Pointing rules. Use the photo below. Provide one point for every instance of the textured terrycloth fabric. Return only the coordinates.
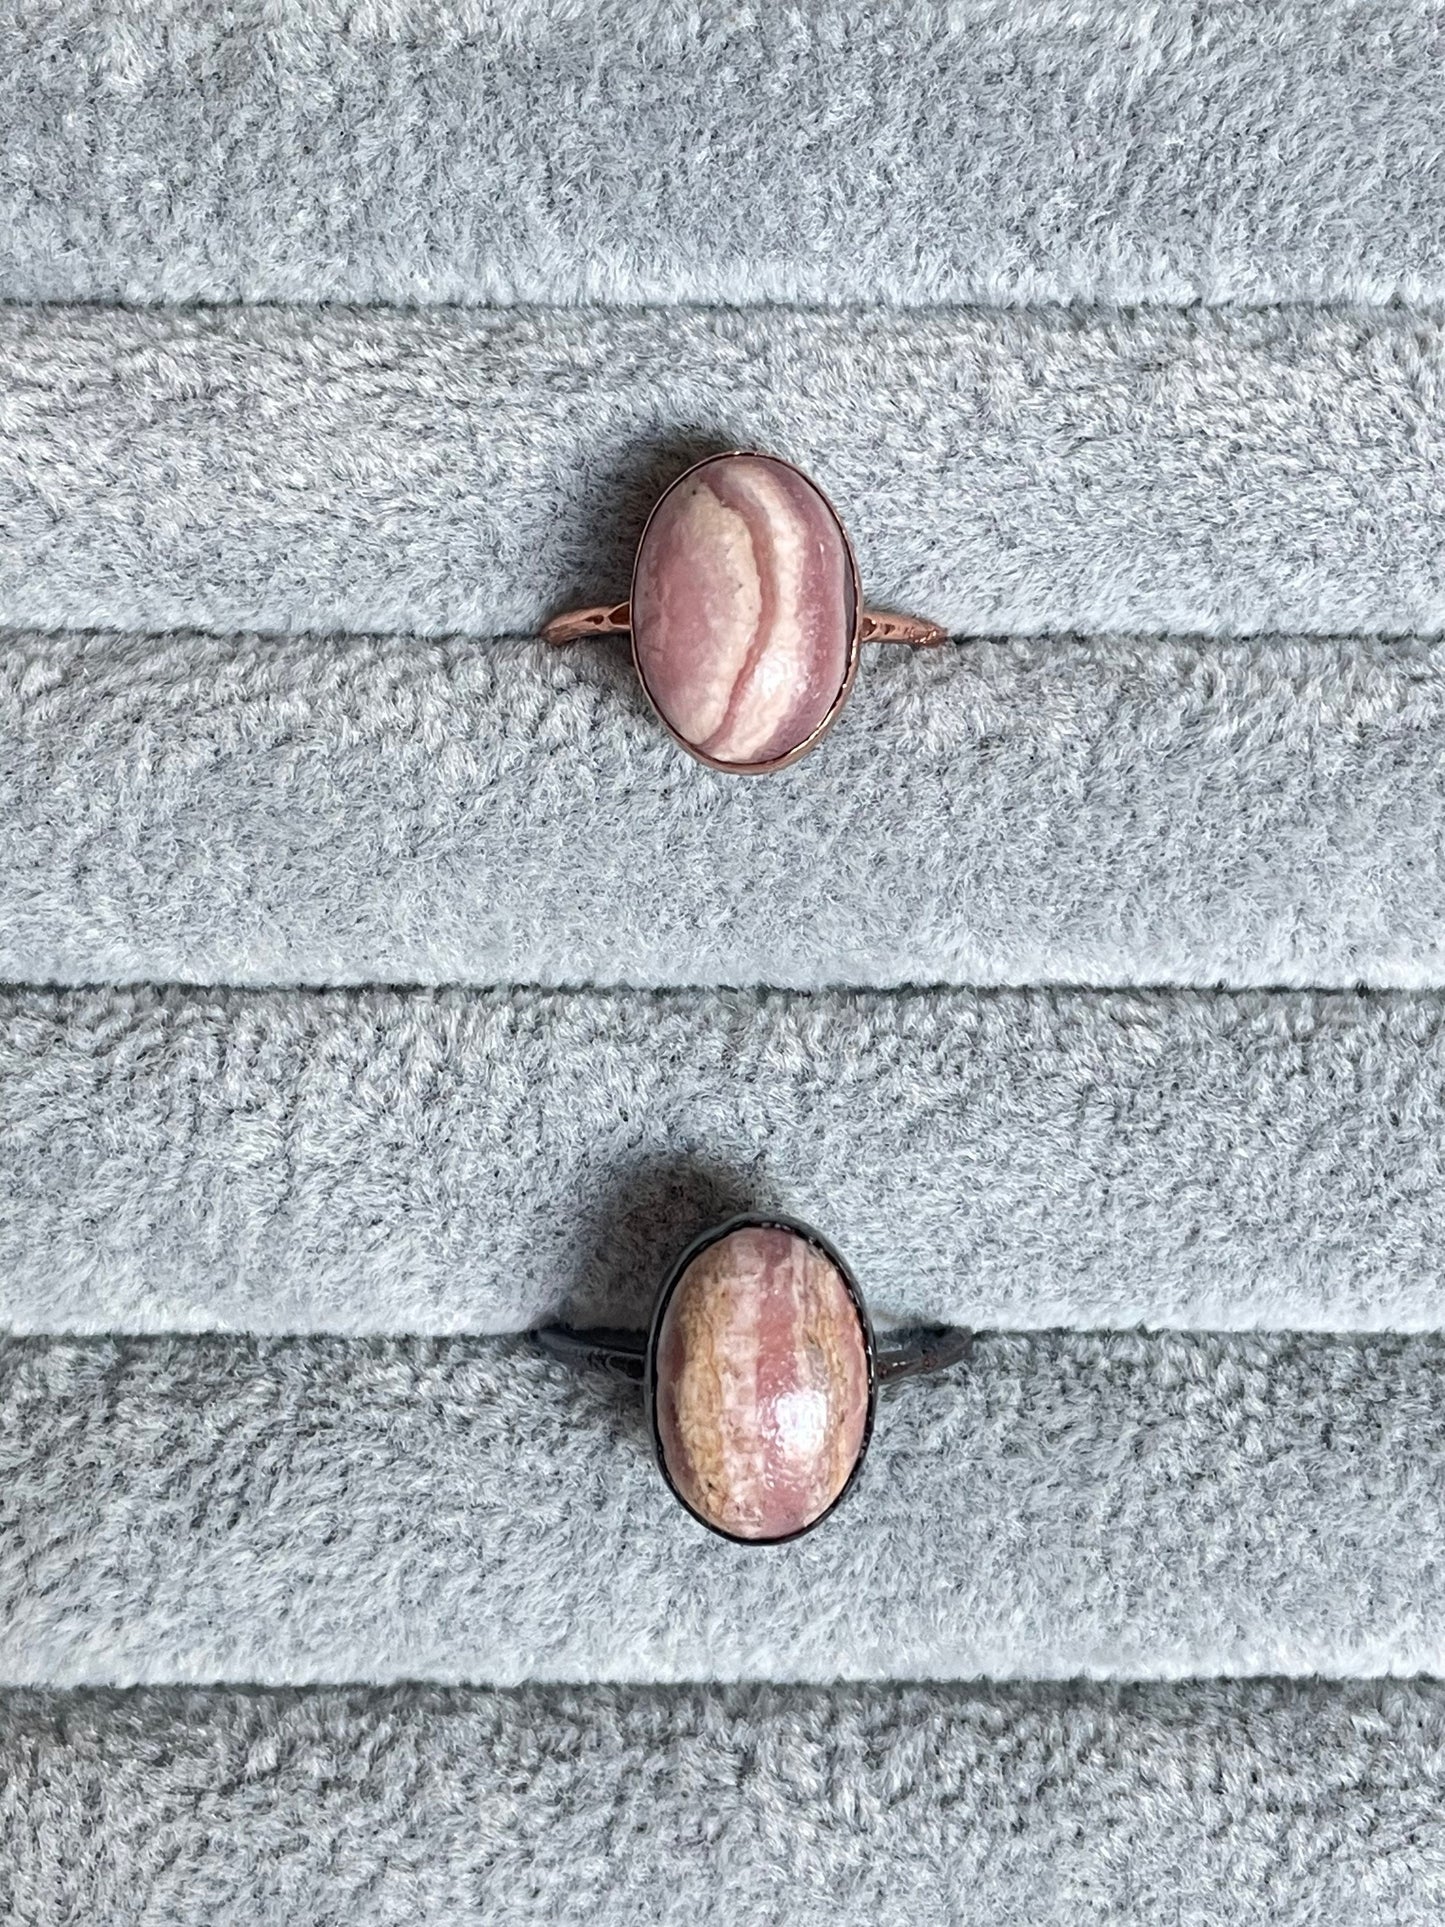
(294, 1511)
(1264, 1804)
(271, 722)
(431, 1162)
(496, 150)
(1031, 472)
(304, 810)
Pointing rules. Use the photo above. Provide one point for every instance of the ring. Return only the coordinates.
(761, 1371)
(746, 614)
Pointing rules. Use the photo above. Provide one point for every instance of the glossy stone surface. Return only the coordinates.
(762, 1383)
(743, 609)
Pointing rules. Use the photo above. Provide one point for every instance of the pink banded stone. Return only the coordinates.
(743, 609)
(761, 1383)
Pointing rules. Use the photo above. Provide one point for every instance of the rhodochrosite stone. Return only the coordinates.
(743, 609)
(761, 1383)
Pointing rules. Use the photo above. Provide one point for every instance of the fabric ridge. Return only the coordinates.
(380, 980)
(316, 1511)
(404, 1161)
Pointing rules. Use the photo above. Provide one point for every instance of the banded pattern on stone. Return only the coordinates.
(761, 1383)
(743, 609)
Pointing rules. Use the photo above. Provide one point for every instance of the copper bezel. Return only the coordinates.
(811, 742)
(773, 1221)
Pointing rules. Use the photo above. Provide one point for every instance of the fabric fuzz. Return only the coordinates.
(1117, 812)
(328, 1510)
(425, 151)
(1005, 472)
(481, 1161)
(1264, 1803)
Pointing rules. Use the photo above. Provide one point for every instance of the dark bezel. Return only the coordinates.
(855, 645)
(779, 1221)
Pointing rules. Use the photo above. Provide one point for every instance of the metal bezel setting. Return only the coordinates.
(777, 1221)
(855, 640)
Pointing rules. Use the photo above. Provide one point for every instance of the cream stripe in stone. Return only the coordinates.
(733, 585)
(771, 683)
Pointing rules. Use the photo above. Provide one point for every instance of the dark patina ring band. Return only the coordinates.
(761, 1370)
(746, 613)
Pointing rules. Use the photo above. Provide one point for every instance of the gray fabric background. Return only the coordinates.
(337, 811)
(385, 1161)
(1265, 1804)
(1029, 472)
(546, 150)
(329, 1510)
(1115, 330)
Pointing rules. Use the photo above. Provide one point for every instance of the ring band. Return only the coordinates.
(761, 1371)
(746, 613)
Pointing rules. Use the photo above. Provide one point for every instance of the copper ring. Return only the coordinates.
(761, 1370)
(776, 615)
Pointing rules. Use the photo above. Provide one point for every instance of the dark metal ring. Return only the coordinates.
(761, 1370)
(746, 613)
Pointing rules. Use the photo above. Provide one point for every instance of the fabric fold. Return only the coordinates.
(313, 1511)
(1005, 473)
(862, 1808)
(417, 152)
(429, 1162)
(1114, 812)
